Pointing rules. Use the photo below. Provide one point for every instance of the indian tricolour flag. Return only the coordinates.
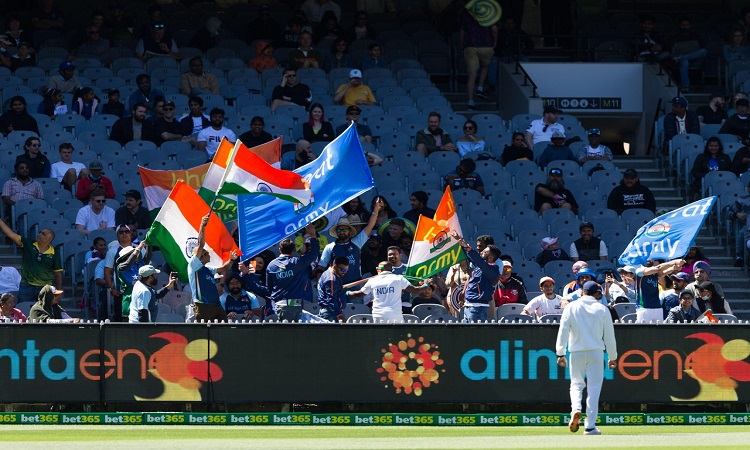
(248, 173)
(175, 230)
(157, 184)
(434, 248)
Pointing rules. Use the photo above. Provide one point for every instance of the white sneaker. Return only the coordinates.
(594, 431)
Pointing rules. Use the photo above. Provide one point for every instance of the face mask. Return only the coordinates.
(705, 298)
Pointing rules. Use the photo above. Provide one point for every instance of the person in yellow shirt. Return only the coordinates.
(354, 93)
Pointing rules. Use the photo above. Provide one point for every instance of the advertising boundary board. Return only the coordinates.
(365, 419)
(363, 363)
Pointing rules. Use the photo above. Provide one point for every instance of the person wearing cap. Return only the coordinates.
(115, 284)
(197, 82)
(545, 303)
(331, 297)
(631, 194)
(237, 302)
(96, 215)
(688, 50)
(712, 159)
(594, 151)
(65, 80)
(614, 288)
(588, 247)
(418, 202)
(509, 289)
(290, 91)
(24, 57)
(558, 150)
(738, 123)
(94, 181)
(156, 43)
(476, 40)
(586, 332)
(648, 304)
(709, 299)
(738, 212)
(305, 55)
(679, 121)
(134, 127)
(348, 243)
(144, 294)
(671, 297)
(47, 308)
(573, 285)
(20, 186)
(433, 138)
(701, 274)
(17, 118)
(465, 176)
(713, 113)
(551, 251)
(582, 277)
(354, 92)
(540, 130)
(684, 311)
(133, 213)
(553, 194)
(67, 171)
(168, 128)
(517, 150)
(478, 291)
(209, 138)
(353, 113)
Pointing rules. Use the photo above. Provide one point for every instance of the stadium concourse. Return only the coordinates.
(419, 68)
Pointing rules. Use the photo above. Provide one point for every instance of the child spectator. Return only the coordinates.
(114, 106)
(85, 102)
(52, 105)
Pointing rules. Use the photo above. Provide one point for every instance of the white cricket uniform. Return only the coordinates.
(541, 306)
(386, 296)
(586, 329)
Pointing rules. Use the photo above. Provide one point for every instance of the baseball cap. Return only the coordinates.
(507, 264)
(742, 102)
(55, 290)
(546, 242)
(96, 165)
(65, 65)
(687, 292)
(682, 101)
(558, 135)
(147, 271)
(594, 131)
(353, 109)
(704, 285)
(628, 269)
(133, 194)
(591, 287)
(631, 173)
(550, 109)
(682, 276)
(586, 225)
(355, 73)
(169, 103)
(545, 279)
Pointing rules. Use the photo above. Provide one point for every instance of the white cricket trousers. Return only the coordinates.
(586, 370)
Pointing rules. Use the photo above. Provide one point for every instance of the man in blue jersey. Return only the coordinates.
(479, 288)
(288, 277)
(331, 298)
(648, 305)
(237, 302)
(206, 302)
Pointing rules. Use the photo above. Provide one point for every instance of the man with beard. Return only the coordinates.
(299, 157)
(237, 302)
(631, 194)
(209, 138)
(702, 273)
(134, 127)
(714, 112)
(433, 138)
(588, 247)
(144, 94)
(542, 129)
(256, 136)
(144, 294)
(739, 123)
(553, 194)
(393, 255)
(19, 187)
(17, 119)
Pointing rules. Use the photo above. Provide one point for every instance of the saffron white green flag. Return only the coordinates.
(434, 249)
(157, 184)
(175, 230)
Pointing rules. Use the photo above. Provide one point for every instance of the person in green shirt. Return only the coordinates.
(40, 263)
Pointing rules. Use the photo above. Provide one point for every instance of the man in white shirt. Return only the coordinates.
(386, 290)
(586, 330)
(542, 129)
(96, 215)
(67, 171)
(594, 151)
(209, 138)
(546, 303)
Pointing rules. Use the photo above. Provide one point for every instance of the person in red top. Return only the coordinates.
(94, 181)
(509, 289)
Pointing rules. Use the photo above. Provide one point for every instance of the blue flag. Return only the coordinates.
(338, 175)
(668, 236)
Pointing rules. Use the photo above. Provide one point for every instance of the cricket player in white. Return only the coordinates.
(386, 289)
(586, 329)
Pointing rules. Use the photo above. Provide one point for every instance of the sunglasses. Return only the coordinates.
(159, 25)
(342, 230)
(555, 172)
(168, 109)
(343, 269)
(123, 232)
(468, 127)
(100, 201)
(35, 145)
(353, 114)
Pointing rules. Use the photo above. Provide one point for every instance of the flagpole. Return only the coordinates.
(230, 163)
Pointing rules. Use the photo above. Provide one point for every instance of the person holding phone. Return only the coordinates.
(144, 294)
(290, 91)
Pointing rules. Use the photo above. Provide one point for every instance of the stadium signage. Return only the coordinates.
(579, 103)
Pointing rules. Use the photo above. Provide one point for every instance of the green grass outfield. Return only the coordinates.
(682, 437)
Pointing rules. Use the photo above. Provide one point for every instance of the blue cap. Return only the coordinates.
(594, 131)
(591, 287)
(65, 65)
(682, 101)
(586, 271)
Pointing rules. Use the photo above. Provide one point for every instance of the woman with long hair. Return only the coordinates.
(317, 129)
(339, 55)
(516, 150)
(712, 159)
(710, 300)
(52, 104)
(355, 206)
(470, 142)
